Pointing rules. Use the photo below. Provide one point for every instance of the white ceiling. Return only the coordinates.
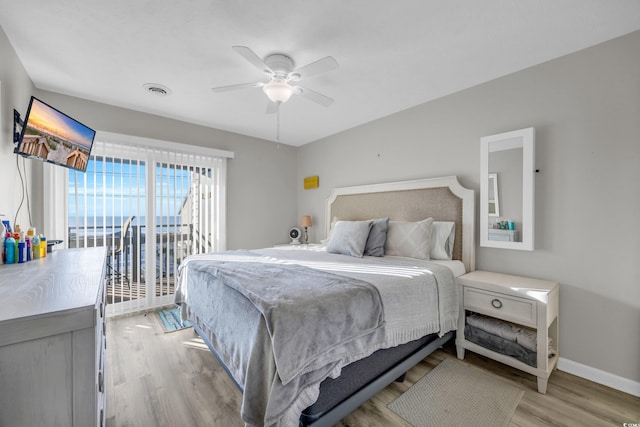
(392, 55)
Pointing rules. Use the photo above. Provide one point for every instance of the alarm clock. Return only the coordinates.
(294, 235)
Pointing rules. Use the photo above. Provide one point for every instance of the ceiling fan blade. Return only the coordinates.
(272, 107)
(251, 56)
(320, 66)
(236, 87)
(314, 96)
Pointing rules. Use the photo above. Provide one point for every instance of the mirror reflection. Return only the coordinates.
(507, 190)
(506, 223)
(494, 204)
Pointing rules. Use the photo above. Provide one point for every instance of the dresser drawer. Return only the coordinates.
(501, 306)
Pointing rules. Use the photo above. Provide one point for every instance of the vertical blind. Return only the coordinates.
(152, 207)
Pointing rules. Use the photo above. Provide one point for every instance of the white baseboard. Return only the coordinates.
(601, 377)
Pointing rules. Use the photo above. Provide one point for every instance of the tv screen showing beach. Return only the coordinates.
(55, 137)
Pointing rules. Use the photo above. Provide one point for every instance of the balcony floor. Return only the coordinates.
(120, 292)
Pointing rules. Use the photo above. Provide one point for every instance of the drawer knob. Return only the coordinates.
(496, 303)
(100, 382)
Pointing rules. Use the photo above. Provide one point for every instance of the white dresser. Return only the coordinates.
(52, 340)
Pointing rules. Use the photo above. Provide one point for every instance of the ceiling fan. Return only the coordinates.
(282, 77)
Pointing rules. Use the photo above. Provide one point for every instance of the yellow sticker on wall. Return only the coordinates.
(311, 182)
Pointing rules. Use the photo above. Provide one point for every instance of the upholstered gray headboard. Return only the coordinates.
(443, 199)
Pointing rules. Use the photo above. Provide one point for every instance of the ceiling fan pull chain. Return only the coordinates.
(278, 121)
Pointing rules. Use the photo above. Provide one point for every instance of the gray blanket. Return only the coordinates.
(500, 345)
(310, 314)
(418, 298)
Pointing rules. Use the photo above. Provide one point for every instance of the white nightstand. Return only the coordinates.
(521, 300)
(503, 235)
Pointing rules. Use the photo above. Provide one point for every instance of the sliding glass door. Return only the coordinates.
(107, 207)
(186, 201)
(151, 208)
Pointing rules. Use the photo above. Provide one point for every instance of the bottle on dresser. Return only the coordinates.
(9, 249)
(43, 246)
(35, 246)
(30, 233)
(3, 234)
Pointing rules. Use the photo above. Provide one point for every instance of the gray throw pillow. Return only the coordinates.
(349, 238)
(377, 237)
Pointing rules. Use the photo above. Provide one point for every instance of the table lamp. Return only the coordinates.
(306, 223)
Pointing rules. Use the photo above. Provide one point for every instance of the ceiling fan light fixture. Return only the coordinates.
(278, 90)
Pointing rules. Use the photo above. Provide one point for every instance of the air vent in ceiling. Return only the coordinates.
(157, 89)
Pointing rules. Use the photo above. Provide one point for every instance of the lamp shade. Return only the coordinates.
(278, 90)
(306, 221)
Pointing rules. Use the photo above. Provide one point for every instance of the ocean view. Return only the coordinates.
(117, 221)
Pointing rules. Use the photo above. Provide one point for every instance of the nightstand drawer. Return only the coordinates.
(506, 307)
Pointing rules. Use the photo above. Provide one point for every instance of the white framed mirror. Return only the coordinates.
(507, 207)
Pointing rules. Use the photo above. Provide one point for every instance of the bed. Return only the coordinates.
(335, 327)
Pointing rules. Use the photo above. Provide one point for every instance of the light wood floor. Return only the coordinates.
(158, 379)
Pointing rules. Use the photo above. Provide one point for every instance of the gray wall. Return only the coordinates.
(261, 179)
(586, 109)
(16, 88)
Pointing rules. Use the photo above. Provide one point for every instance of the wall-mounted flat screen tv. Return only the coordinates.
(52, 136)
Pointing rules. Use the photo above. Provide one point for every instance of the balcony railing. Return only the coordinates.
(128, 277)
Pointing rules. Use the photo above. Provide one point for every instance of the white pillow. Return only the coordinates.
(409, 239)
(443, 234)
(333, 224)
(349, 238)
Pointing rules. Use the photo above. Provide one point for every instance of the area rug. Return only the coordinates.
(171, 321)
(457, 394)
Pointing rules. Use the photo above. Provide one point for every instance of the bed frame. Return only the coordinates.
(444, 199)
(393, 373)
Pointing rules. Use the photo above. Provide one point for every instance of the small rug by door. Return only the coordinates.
(457, 394)
(171, 321)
